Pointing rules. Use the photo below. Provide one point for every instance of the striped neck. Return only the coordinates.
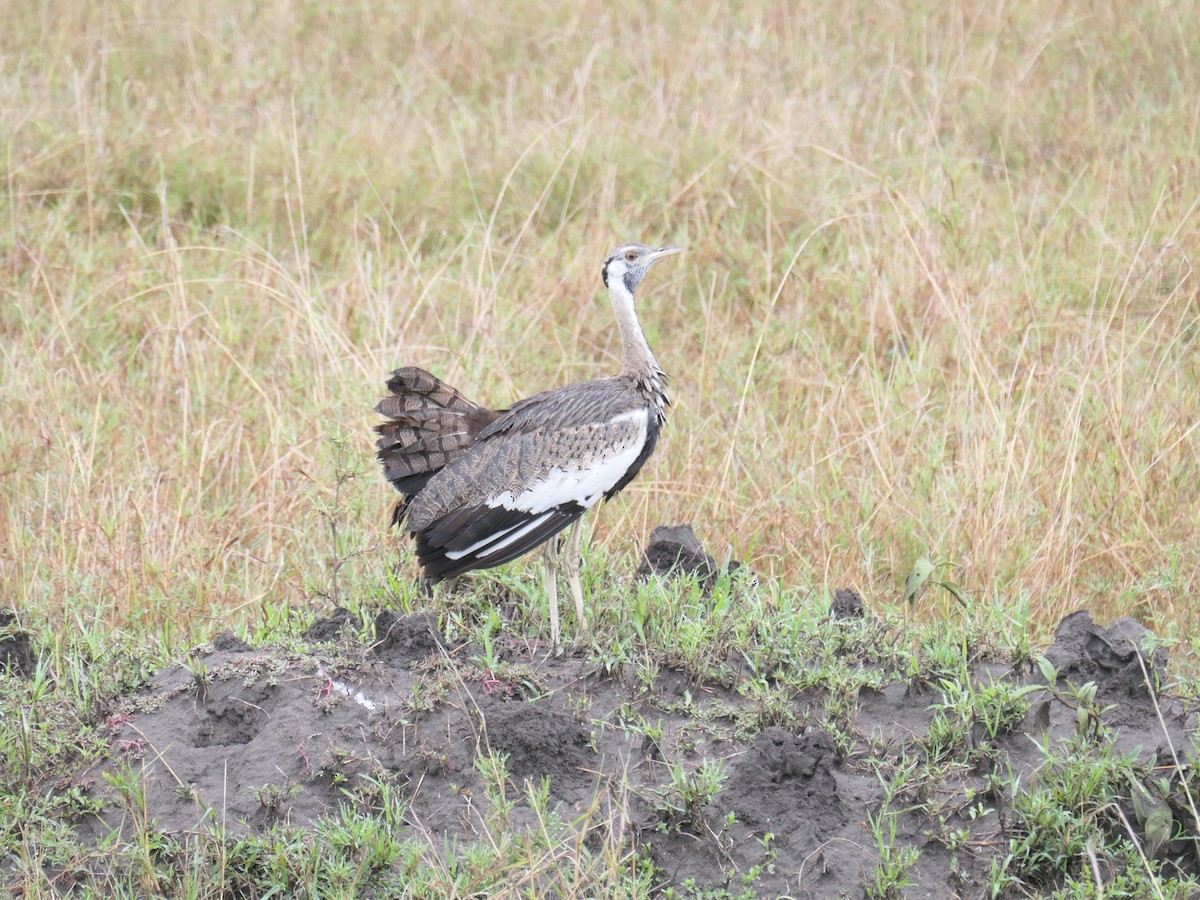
(637, 360)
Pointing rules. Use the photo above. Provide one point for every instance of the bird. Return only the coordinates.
(480, 487)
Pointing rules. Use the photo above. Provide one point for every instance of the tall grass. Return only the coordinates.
(938, 298)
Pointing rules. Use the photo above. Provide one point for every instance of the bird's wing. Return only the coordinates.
(582, 404)
(511, 492)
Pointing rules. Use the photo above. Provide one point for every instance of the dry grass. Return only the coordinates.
(938, 298)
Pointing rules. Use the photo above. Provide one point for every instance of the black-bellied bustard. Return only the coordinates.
(481, 487)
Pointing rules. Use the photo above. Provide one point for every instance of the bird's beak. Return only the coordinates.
(665, 251)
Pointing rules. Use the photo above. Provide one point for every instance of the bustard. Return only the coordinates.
(481, 487)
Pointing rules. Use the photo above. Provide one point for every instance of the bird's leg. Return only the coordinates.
(551, 560)
(572, 561)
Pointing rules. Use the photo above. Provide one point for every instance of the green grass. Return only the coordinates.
(1078, 804)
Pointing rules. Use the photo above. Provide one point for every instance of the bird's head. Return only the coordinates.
(629, 263)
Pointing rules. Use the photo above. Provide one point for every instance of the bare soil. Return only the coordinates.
(244, 737)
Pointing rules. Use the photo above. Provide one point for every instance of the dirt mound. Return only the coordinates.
(405, 637)
(1117, 658)
(784, 783)
(540, 740)
(245, 738)
(16, 647)
(331, 627)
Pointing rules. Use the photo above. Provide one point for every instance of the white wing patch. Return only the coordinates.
(459, 554)
(501, 538)
(582, 484)
(516, 535)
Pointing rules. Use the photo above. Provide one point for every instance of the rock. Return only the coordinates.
(847, 604)
(675, 550)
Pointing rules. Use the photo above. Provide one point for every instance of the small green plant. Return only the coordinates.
(380, 793)
(948, 733)
(999, 706)
(494, 769)
(764, 867)
(579, 705)
(768, 705)
(1083, 698)
(919, 579)
(330, 503)
(273, 797)
(201, 676)
(126, 782)
(892, 872)
(360, 847)
(77, 801)
(682, 802)
(490, 629)
(1071, 811)
(973, 713)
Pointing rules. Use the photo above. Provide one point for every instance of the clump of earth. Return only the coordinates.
(247, 737)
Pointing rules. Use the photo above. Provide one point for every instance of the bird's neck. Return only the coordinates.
(637, 360)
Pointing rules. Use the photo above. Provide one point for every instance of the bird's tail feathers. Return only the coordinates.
(414, 390)
(429, 424)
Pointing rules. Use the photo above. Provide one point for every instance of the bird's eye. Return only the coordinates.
(631, 255)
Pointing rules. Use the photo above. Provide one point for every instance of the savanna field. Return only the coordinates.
(937, 303)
